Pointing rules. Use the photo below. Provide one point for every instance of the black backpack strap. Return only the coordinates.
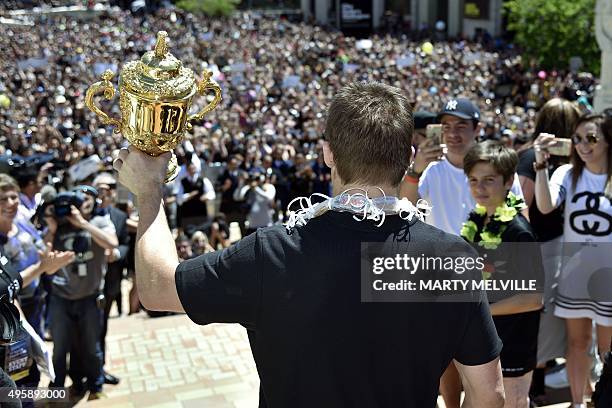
(10, 280)
(10, 284)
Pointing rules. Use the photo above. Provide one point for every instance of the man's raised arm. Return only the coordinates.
(426, 153)
(156, 257)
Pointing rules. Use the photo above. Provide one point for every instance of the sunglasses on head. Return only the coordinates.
(591, 138)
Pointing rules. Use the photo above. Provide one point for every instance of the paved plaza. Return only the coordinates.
(171, 362)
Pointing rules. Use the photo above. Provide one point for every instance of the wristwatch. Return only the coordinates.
(540, 166)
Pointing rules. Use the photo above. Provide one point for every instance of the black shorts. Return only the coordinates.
(519, 333)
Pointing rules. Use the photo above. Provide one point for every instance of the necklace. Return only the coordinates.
(356, 201)
(489, 235)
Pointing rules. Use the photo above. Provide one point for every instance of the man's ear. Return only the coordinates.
(328, 156)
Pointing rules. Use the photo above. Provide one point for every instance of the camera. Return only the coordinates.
(257, 178)
(63, 202)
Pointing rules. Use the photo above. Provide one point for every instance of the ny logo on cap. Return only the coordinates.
(451, 105)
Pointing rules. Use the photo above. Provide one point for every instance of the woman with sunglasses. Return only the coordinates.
(585, 187)
(559, 117)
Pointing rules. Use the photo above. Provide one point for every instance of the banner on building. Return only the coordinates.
(356, 17)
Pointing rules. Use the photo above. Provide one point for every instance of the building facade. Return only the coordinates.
(460, 17)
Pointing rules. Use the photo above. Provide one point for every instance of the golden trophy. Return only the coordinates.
(155, 96)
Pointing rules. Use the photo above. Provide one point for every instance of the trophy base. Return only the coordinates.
(173, 169)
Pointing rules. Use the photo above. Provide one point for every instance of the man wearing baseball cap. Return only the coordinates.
(436, 175)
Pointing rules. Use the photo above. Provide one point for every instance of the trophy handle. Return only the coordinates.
(105, 86)
(204, 86)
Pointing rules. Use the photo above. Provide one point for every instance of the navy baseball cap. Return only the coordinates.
(462, 108)
(85, 189)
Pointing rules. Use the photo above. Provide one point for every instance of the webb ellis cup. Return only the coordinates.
(155, 95)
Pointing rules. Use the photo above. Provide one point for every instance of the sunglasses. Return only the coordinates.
(590, 138)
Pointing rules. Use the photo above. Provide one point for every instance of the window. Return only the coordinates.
(401, 7)
(477, 9)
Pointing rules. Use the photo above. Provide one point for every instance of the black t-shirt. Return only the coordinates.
(314, 342)
(519, 230)
(193, 207)
(518, 257)
(546, 226)
(227, 197)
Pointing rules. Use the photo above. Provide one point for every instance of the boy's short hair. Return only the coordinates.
(369, 130)
(503, 159)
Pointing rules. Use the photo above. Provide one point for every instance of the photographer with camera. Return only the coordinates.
(258, 194)
(74, 307)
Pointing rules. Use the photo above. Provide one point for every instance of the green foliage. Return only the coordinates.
(214, 8)
(552, 31)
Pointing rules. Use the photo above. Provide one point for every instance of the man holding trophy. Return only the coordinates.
(296, 288)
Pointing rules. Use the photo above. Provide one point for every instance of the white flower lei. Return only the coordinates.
(356, 201)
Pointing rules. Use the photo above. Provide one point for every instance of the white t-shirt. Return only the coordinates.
(588, 212)
(446, 189)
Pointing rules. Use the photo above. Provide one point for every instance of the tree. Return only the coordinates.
(213, 8)
(551, 32)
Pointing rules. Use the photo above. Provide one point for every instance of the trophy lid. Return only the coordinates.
(158, 74)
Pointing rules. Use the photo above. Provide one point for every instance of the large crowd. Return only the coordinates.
(277, 80)
(257, 151)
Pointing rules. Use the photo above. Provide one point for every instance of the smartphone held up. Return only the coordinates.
(434, 134)
(561, 147)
